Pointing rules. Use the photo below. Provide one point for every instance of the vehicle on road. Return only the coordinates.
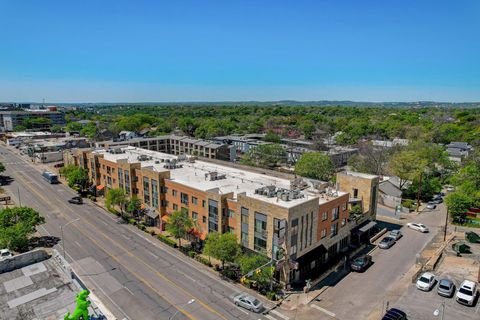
(397, 234)
(431, 205)
(4, 254)
(52, 178)
(437, 200)
(446, 288)
(386, 242)
(58, 165)
(395, 314)
(418, 227)
(248, 302)
(426, 281)
(76, 200)
(361, 263)
(467, 293)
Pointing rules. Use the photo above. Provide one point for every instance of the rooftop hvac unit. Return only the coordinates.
(284, 197)
(157, 162)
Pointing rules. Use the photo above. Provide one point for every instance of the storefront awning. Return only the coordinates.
(367, 227)
(151, 213)
(165, 218)
(100, 187)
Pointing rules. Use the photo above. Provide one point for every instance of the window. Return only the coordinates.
(146, 191)
(324, 233)
(230, 213)
(127, 182)
(244, 237)
(344, 221)
(259, 244)
(184, 198)
(120, 178)
(293, 250)
(204, 203)
(164, 203)
(230, 229)
(344, 206)
(333, 230)
(204, 219)
(355, 192)
(212, 216)
(163, 189)
(294, 226)
(154, 193)
(194, 200)
(324, 216)
(194, 216)
(244, 226)
(175, 207)
(174, 192)
(335, 213)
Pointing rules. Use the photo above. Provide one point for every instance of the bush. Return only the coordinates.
(408, 203)
(167, 240)
(141, 226)
(271, 295)
(230, 274)
(192, 254)
(132, 221)
(203, 260)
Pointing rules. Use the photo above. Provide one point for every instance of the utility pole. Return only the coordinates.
(19, 199)
(446, 223)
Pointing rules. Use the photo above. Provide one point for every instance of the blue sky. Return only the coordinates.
(93, 51)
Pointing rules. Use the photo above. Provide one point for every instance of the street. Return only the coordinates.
(135, 276)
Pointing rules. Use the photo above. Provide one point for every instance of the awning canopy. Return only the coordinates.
(165, 218)
(100, 187)
(151, 213)
(367, 227)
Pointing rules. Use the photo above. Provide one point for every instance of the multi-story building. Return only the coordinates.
(306, 220)
(31, 119)
(175, 145)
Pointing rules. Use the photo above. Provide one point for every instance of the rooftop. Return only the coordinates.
(359, 175)
(213, 177)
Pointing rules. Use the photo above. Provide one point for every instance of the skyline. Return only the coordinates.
(116, 51)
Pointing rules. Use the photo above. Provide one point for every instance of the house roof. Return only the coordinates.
(390, 189)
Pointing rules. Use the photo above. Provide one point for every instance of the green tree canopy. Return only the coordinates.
(250, 262)
(223, 247)
(116, 197)
(16, 225)
(271, 136)
(76, 176)
(315, 165)
(458, 204)
(179, 224)
(133, 206)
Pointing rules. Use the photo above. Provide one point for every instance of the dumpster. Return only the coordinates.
(460, 247)
(472, 237)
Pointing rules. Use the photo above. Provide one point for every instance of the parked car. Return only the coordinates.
(386, 242)
(361, 263)
(395, 314)
(5, 253)
(248, 302)
(446, 288)
(467, 293)
(76, 200)
(397, 234)
(431, 205)
(417, 226)
(426, 281)
(58, 165)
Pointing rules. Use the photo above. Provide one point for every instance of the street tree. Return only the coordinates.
(250, 262)
(458, 204)
(77, 177)
(223, 247)
(116, 197)
(179, 224)
(16, 226)
(315, 165)
(133, 206)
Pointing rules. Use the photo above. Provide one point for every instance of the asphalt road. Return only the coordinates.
(134, 275)
(355, 296)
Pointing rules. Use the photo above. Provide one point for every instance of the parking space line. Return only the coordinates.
(270, 317)
(331, 314)
(278, 314)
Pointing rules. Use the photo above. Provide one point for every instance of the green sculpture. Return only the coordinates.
(81, 310)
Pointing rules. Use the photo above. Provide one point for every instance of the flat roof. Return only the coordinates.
(359, 174)
(196, 175)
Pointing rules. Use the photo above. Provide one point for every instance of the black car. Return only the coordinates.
(395, 314)
(76, 200)
(361, 263)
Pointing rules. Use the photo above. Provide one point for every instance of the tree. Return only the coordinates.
(315, 165)
(356, 210)
(76, 177)
(16, 225)
(74, 127)
(265, 156)
(223, 247)
(458, 204)
(271, 136)
(90, 130)
(56, 128)
(250, 262)
(406, 165)
(116, 197)
(2, 167)
(307, 128)
(133, 206)
(19, 128)
(370, 159)
(179, 224)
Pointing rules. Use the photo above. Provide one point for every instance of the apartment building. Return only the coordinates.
(175, 145)
(301, 223)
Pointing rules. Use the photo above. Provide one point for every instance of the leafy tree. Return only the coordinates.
(133, 206)
(308, 129)
(76, 177)
(90, 130)
(223, 247)
(19, 128)
(116, 197)
(271, 136)
(250, 262)
(458, 204)
(355, 210)
(407, 165)
(179, 224)
(56, 128)
(315, 165)
(265, 156)
(16, 225)
(370, 159)
(73, 127)
(430, 186)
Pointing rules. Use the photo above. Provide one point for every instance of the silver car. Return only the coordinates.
(446, 288)
(248, 302)
(397, 234)
(386, 242)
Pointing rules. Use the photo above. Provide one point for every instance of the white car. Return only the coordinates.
(467, 293)
(417, 226)
(426, 281)
(5, 253)
(396, 234)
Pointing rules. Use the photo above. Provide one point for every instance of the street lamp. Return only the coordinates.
(178, 310)
(436, 313)
(63, 239)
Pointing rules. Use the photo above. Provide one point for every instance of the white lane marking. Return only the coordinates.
(270, 317)
(278, 314)
(331, 314)
(130, 291)
(152, 254)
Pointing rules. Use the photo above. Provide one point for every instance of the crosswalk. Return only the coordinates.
(276, 315)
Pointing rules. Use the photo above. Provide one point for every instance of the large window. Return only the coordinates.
(333, 230)
(194, 200)
(260, 228)
(154, 193)
(146, 191)
(127, 182)
(212, 216)
(120, 178)
(184, 198)
(324, 216)
(260, 244)
(335, 213)
(244, 225)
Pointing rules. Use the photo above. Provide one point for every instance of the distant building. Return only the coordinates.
(31, 119)
(390, 143)
(458, 151)
(390, 194)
